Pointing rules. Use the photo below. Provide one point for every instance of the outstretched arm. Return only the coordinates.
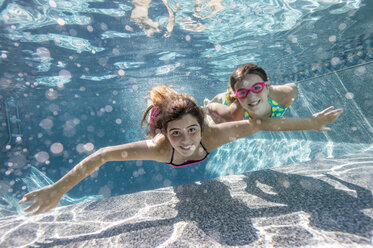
(315, 122)
(48, 197)
(221, 113)
(223, 133)
(283, 94)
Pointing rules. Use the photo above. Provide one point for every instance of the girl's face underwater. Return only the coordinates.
(255, 103)
(184, 135)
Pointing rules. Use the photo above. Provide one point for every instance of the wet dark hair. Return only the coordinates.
(168, 105)
(239, 74)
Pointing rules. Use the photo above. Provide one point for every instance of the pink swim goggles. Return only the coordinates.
(256, 88)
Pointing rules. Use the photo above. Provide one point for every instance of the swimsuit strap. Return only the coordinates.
(172, 156)
(204, 148)
(173, 152)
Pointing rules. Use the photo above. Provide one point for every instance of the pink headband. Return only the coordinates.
(153, 114)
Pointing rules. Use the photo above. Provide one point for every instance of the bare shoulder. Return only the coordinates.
(209, 136)
(216, 135)
(161, 148)
(283, 94)
(157, 149)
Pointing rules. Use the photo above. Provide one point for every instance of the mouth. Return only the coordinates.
(188, 147)
(254, 104)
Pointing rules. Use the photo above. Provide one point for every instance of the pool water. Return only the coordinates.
(74, 75)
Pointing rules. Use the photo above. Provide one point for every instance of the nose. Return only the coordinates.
(185, 138)
(250, 94)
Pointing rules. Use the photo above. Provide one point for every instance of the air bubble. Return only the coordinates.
(41, 156)
(128, 28)
(88, 147)
(118, 121)
(332, 38)
(56, 148)
(286, 184)
(193, 147)
(141, 171)
(103, 61)
(105, 191)
(335, 61)
(80, 148)
(61, 21)
(167, 183)
(121, 73)
(361, 70)
(349, 95)
(342, 26)
(73, 32)
(116, 51)
(6, 17)
(65, 74)
(46, 124)
(187, 38)
(218, 47)
(108, 108)
(69, 130)
(52, 3)
(53, 108)
(104, 26)
(90, 28)
(18, 139)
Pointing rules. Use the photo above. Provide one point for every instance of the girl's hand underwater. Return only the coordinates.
(325, 117)
(44, 199)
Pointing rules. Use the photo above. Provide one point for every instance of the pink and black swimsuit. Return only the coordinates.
(189, 162)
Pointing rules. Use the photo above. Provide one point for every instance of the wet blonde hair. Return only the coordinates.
(168, 105)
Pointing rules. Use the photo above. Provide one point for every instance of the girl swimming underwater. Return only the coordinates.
(251, 96)
(179, 136)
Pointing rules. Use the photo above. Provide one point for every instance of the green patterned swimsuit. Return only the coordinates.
(277, 109)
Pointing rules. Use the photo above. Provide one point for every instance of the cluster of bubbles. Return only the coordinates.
(85, 148)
